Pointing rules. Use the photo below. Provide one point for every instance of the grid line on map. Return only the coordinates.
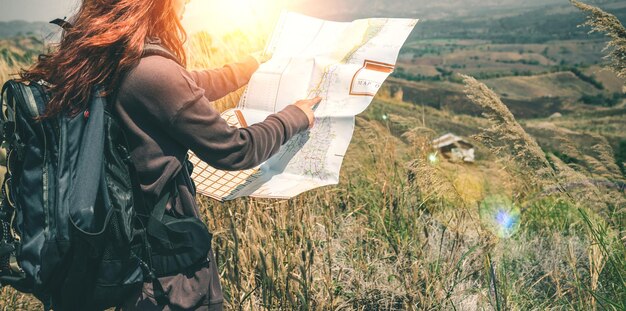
(215, 183)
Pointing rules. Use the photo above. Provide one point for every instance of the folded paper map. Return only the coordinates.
(345, 64)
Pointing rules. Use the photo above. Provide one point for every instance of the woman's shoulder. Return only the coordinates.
(158, 76)
(158, 86)
(156, 70)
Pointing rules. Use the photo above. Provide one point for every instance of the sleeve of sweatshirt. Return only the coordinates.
(218, 83)
(173, 99)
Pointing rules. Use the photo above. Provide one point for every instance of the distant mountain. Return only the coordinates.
(533, 25)
(499, 21)
(424, 9)
(40, 30)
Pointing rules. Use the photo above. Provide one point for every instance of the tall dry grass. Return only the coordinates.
(369, 244)
(207, 51)
(609, 236)
(506, 137)
(20, 52)
(611, 26)
(593, 187)
(10, 64)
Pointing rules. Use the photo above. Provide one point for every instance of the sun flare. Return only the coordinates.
(220, 17)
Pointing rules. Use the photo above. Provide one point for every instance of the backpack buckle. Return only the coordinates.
(8, 129)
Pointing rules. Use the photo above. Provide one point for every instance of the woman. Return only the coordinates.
(166, 111)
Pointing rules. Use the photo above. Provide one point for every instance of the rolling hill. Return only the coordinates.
(9, 29)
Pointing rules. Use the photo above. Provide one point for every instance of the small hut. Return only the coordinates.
(454, 148)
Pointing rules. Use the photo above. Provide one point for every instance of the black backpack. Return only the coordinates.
(75, 229)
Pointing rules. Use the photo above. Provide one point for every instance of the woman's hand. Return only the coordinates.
(261, 57)
(306, 105)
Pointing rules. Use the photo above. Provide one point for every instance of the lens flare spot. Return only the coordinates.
(433, 158)
(500, 216)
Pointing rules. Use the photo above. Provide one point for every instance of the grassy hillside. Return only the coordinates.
(21, 28)
(16, 53)
(561, 84)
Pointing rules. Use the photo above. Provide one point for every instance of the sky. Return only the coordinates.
(230, 10)
(200, 15)
(36, 10)
(46, 10)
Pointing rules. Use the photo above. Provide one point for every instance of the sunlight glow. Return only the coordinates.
(219, 17)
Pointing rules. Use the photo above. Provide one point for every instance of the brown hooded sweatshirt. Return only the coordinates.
(166, 111)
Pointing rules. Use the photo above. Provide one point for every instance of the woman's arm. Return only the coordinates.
(218, 83)
(166, 93)
(200, 128)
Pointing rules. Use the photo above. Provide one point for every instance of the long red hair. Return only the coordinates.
(105, 41)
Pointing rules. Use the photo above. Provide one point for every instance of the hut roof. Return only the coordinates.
(449, 139)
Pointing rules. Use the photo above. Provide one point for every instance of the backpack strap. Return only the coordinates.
(159, 231)
(150, 49)
(7, 115)
(16, 94)
(155, 227)
(168, 238)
